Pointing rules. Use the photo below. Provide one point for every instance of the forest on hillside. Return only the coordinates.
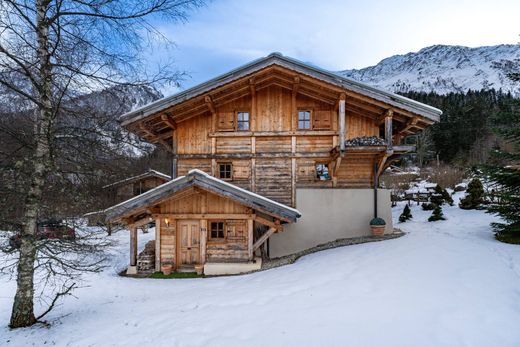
(466, 133)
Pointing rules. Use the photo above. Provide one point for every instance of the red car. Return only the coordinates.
(50, 230)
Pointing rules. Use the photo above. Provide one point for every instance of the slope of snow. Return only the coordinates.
(443, 69)
(446, 283)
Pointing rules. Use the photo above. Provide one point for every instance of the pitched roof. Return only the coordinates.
(292, 64)
(212, 184)
(149, 173)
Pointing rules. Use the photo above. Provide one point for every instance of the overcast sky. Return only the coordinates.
(333, 34)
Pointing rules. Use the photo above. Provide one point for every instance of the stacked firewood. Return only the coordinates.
(365, 141)
(146, 259)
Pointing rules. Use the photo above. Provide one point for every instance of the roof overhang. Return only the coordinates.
(206, 182)
(149, 173)
(393, 100)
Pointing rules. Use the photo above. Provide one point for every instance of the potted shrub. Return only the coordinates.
(167, 267)
(377, 225)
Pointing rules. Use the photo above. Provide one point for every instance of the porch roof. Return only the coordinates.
(206, 182)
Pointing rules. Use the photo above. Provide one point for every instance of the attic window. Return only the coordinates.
(304, 119)
(242, 120)
(225, 171)
(322, 172)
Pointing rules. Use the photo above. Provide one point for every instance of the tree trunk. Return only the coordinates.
(22, 314)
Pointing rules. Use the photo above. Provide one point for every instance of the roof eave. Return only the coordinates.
(393, 99)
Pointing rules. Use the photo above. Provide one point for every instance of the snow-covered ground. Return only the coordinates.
(445, 283)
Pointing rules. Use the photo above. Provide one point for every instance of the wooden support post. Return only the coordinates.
(341, 120)
(158, 244)
(293, 171)
(133, 245)
(294, 110)
(250, 229)
(252, 116)
(388, 129)
(263, 238)
(203, 240)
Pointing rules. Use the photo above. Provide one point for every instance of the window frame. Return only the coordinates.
(310, 111)
(316, 176)
(237, 121)
(230, 178)
(224, 230)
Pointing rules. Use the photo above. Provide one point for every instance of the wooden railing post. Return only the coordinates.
(341, 115)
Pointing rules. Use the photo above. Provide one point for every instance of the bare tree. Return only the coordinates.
(52, 51)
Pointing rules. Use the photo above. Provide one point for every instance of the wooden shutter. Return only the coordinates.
(321, 119)
(226, 121)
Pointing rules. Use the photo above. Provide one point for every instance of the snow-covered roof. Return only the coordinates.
(149, 173)
(292, 64)
(206, 182)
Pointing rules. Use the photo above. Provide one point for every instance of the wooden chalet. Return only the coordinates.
(135, 185)
(291, 133)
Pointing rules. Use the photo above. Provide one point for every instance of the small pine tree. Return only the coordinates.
(474, 195)
(406, 215)
(428, 206)
(441, 196)
(436, 214)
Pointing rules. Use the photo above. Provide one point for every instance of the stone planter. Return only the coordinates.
(199, 269)
(167, 268)
(378, 230)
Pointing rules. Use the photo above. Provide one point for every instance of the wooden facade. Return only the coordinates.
(275, 153)
(202, 219)
(134, 186)
(270, 127)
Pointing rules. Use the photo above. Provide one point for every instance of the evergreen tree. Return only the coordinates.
(474, 195)
(436, 214)
(406, 215)
(506, 174)
(441, 196)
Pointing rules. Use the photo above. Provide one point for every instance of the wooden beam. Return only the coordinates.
(388, 128)
(263, 238)
(203, 240)
(133, 246)
(381, 164)
(154, 137)
(166, 118)
(341, 122)
(158, 244)
(203, 215)
(210, 104)
(269, 223)
(250, 229)
(254, 110)
(410, 124)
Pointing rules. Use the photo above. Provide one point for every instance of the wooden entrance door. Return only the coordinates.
(189, 243)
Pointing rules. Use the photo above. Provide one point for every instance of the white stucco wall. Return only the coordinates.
(328, 215)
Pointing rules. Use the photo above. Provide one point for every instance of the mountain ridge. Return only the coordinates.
(444, 69)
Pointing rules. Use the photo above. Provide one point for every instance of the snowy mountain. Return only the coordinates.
(444, 69)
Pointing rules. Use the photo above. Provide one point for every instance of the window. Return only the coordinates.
(242, 120)
(217, 230)
(322, 172)
(304, 119)
(225, 171)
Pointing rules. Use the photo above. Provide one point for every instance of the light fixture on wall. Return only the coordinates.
(167, 222)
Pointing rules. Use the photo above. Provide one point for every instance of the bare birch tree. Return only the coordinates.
(52, 51)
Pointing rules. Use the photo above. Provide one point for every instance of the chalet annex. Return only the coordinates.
(275, 154)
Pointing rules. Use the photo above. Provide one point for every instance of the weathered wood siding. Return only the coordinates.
(273, 156)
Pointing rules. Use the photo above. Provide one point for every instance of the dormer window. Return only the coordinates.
(242, 121)
(304, 120)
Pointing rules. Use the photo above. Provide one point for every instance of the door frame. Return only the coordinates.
(178, 241)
